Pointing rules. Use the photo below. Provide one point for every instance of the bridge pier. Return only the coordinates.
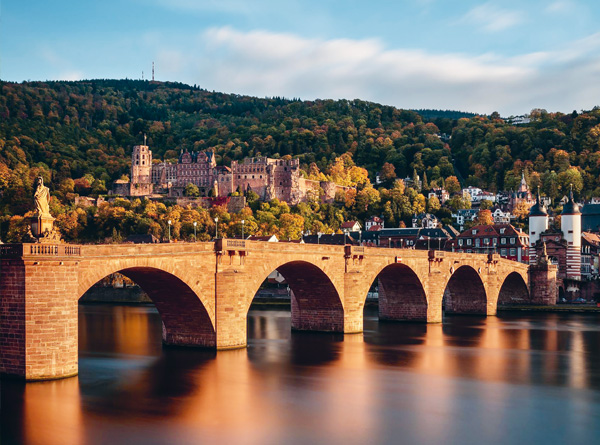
(38, 319)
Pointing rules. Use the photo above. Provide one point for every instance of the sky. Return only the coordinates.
(478, 56)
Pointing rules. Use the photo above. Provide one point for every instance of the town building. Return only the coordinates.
(590, 216)
(350, 226)
(500, 217)
(425, 220)
(523, 194)
(441, 194)
(463, 216)
(505, 239)
(590, 251)
(374, 223)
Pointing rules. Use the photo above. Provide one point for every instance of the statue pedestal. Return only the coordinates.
(42, 228)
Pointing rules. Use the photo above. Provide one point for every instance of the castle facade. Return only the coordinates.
(267, 177)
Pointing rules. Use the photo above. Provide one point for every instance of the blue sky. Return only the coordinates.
(506, 56)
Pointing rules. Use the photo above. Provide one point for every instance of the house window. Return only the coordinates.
(469, 241)
(502, 240)
(513, 251)
(474, 232)
(512, 240)
(502, 231)
(460, 242)
(503, 252)
(477, 242)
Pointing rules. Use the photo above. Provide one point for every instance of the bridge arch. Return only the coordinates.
(514, 290)
(316, 304)
(401, 294)
(465, 292)
(184, 315)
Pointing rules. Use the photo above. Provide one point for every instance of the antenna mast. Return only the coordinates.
(152, 71)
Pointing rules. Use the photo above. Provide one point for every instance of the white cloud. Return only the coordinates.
(560, 7)
(490, 18)
(71, 75)
(262, 63)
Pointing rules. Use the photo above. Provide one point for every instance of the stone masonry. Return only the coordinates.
(203, 291)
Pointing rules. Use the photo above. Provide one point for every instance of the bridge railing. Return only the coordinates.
(39, 249)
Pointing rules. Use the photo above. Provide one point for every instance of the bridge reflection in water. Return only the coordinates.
(490, 380)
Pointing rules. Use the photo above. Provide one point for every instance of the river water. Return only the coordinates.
(524, 378)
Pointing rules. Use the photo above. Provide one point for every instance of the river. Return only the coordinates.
(515, 378)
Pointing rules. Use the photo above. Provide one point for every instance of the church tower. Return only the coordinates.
(538, 223)
(570, 225)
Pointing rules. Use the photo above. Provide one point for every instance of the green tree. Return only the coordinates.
(192, 190)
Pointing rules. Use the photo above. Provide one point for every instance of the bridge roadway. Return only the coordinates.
(203, 290)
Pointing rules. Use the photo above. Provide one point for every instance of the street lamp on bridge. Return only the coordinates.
(195, 224)
(243, 228)
(169, 222)
(216, 227)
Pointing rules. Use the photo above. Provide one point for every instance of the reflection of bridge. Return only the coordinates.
(203, 290)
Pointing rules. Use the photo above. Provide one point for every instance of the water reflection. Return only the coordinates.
(471, 379)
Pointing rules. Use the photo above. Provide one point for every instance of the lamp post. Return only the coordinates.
(318, 237)
(195, 224)
(389, 242)
(243, 228)
(169, 222)
(216, 227)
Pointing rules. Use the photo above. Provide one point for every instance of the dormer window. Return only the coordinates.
(474, 231)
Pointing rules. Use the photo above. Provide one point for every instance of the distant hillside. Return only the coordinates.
(71, 130)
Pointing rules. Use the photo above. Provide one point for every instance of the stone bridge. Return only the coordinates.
(203, 291)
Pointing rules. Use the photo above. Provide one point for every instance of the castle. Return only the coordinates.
(269, 178)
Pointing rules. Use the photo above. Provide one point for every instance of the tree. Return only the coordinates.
(571, 176)
(486, 204)
(484, 217)
(191, 190)
(452, 185)
(388, 172)
(433, 204)
(521, 210)
(419, 204)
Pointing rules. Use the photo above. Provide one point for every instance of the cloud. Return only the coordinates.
(490, 18)
(262, 63)
(560, 7)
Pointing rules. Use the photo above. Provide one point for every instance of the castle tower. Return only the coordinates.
(141, 164)
(570, 225)
(538, 223)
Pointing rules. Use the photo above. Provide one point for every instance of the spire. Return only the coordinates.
(571, 207)
(538, 209)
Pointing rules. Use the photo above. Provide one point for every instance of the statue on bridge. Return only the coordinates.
(42, 223)
(42, 199)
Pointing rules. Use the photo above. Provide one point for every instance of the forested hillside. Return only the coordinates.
(79, 136)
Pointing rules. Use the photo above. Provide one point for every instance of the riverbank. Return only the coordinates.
(557, 308)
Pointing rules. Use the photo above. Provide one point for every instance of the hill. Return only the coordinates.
(84, 131)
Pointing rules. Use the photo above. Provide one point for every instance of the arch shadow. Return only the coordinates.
(514, 290)
(465, 293)
(401, 294)
(315, 302)
(184, 318)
